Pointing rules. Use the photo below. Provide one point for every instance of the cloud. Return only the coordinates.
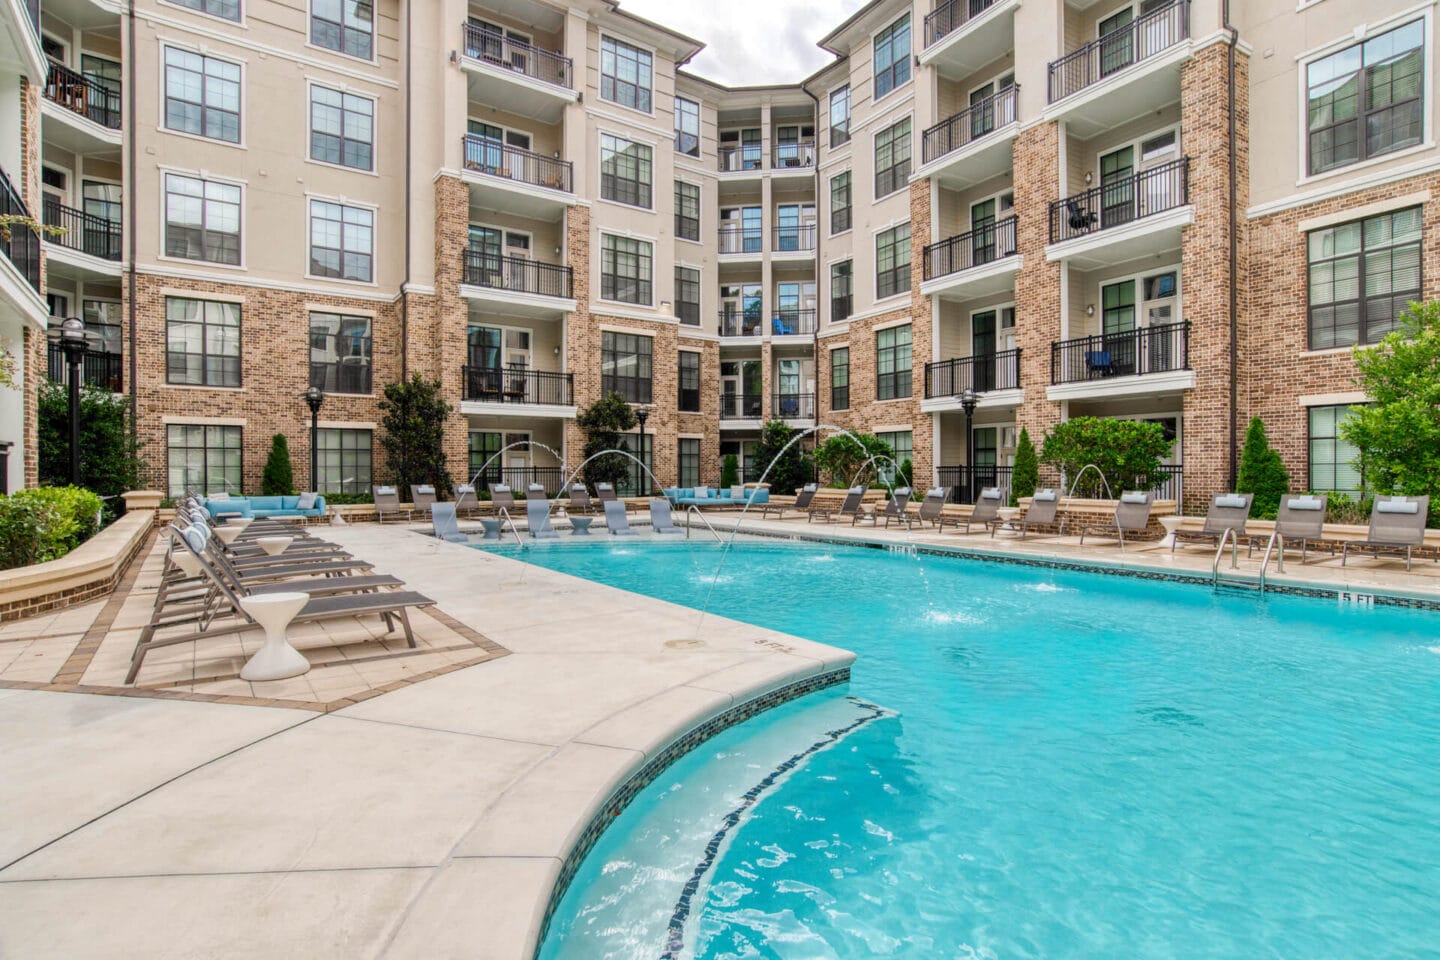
(750, 42)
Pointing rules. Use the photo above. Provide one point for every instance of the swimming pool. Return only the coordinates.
(1030, 763)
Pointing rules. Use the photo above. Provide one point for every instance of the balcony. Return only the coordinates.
(737, 406)
(524, 287)
(98, 369)
(340, 363)
(794, 242)
(793, 322)
(744, 243)
(793, 406)
(746, 158)
(978, 263)
(1146, 361)
(735, 323)
(1095, 86)
(80, 114)
(975, 144)
(90, 246)
(518, 181)
(1128, 217)
(21, 245)
(517, 386)
(797, 156)
(979, 374)
(517, 76)
(961, 36)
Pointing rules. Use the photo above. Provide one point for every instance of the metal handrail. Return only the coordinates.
(696, 510)
(1275, 536)
(496, 159)
(1231, 537)
(975, 122)
(509, 522)
(1144, 37)
(500, 50)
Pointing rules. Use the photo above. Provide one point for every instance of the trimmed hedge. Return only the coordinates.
(45, 523)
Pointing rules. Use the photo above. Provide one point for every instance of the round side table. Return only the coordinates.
(276, 660)
(274, 546)
(580, 526)
(492, 528)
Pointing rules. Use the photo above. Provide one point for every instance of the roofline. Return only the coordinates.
(695, 45)
(826, 42)
(797, 87)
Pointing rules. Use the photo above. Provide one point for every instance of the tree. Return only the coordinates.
(1398, 431)
(729, 471)
(605, 423)
(792, 470)
(1025, 475)
(278, 480)
(110, 461)
(413, 433)
(841, 457)
(1128, 453)
(1262, 473)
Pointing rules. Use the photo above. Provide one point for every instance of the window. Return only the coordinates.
(892, 261)
(1367, 100)
(625, 365)
(687, 295)
(687, 127)
(103, 318)
(689, 459)
(625, 171)
(484, 449)
(902, 443)
(342, 241)
(624, 74)
(342, 128)
(1363, 275)
(839, 116)
(225, 9)
(892, 363)
(202, 342)
(841, 290)
(892, 158)
(203, 458)
(840, 378)
(340, 353)
(689, 382)
(344, 25)
(625, 267)
(687, 210)
(1334, 463)
(202, 219)
(342, 462)
(840, 203)
(202, 95)
(892, 56)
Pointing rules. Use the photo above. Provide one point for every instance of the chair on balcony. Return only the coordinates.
(1080, 219)
(1228, 511)
(1397, 525)
(781, 328)
(1132, 515)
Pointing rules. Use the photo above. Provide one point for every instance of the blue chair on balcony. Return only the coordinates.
(781, 328)
(790, 407)
(1099, 363)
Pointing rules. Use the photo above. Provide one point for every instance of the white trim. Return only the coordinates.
(309, 124)
(347, 424)
(1429, 165)
(181, 293)
(371, 315)
(636, 331)
(86, 126)
(945, 283)
(1174, 218)
(1140, 385)
(892, 324)
(529, 411)
(1181, 51)
(1368, 210)
(599, 69)
(38, 66)
(189, 421)
(1349, 397)
(373, 209)
(204, 178)
(198, 49)
(161, 270)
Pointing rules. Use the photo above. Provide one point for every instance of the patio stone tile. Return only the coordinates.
(486, 909)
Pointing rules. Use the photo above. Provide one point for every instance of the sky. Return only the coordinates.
(730, 30)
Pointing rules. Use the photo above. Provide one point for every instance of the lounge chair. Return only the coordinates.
(933, 506)
(387, 504)
(1044, 506)
(985, 513)
(442, 520)
(896, 506)
(1397, 525)
(1132, 515)
(660, 519)
(501, 497)
(802, 502)
(467, 504)
(849, 507)
(1302, 520)
(616, 521)
(580, 501)
(605, 492)
(422, 495)
(537, 518)
(1228, 511)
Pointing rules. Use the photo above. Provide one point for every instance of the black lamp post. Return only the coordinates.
(73, 341)
(641, 415)
(968, 400)
(313, 398)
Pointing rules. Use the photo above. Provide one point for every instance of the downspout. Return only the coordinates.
(815, 334)
(409, 216)
(1234, 254)
(134, 371)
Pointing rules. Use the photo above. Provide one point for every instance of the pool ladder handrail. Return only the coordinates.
(1275, 537)
(509, 522)
(1232, 538)
(699, 513)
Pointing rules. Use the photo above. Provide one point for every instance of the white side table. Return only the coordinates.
(1171, 523)
(1008, 515)
(276, 660)
(228, 534)
(274, 545)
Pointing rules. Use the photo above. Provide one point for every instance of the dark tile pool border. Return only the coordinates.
(624, 794)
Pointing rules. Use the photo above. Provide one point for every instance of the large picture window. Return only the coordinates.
(340, 351)
(689, 382)
(626, 270)
(202, 95)
(343, 461)
(1363, 275)
(892, 158)
(625, 365)
(840, 378)
(892, 56)
(204, 458)
(1333, 462)
(347, 26)
(342, 241)
(1367, 100)
(625, 74)
(892, 261)
(202, 219)
(892, 363)
(342, 128)
(202, 342)
(687, 127)
(625, 171)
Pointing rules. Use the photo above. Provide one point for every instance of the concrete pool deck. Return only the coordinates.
(431, 819)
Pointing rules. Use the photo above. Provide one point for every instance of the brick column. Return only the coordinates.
(32, 347)
(1037, 284)
(922, 333)
(437, 343)
(582, 340)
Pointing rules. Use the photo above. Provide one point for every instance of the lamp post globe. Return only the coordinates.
(314, 397)
(968, 401)
(641, 415)
(73, 342)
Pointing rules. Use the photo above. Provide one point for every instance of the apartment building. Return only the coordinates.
(981, 215)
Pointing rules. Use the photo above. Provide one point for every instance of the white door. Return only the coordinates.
(517, 264)
(1159, 190)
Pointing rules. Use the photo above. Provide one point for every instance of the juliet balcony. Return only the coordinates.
(974, 264)
(993, 377)
(520, 77)
(1128, 217)
(1144, 361)
(973, 145)
(514, 180)
(519, 286)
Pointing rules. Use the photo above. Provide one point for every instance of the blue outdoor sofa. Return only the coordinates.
(258, 507)
(685, 496)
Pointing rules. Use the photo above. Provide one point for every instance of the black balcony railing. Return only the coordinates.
(84, 95)
(793, 155)
(734, 323)
(987, 371)
(518, 479)
(340, 363)
(105, 371)
(746, 157)
(631, 389)
(950, 16)
(976, 121)
(796, 238)
(497, 159)
(1132, 353)
(793, 406)
(965, 484)
(1121, 201)
(737, 239)
(989, 243)
(83, 231)
(793, 321)
(741, 406)
(517, 385)
(20, 242)
(498, 272)
(1142, 38)
(499, 50)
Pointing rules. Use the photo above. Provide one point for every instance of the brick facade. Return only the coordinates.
(33, 347)
(1036, 164)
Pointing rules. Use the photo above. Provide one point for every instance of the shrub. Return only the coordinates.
(1025, 475)
(413, 433)
(110, 461)
(29, 531)
(1262, 473)
(340, 499)
(278, 480)
(605, 422)
(1128, 453)
(904, 473)
(792, 470)
(79, 510)
(1342, 509)
(729, 471)
(841, 457)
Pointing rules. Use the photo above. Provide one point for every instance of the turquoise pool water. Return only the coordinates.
(1030, 763)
